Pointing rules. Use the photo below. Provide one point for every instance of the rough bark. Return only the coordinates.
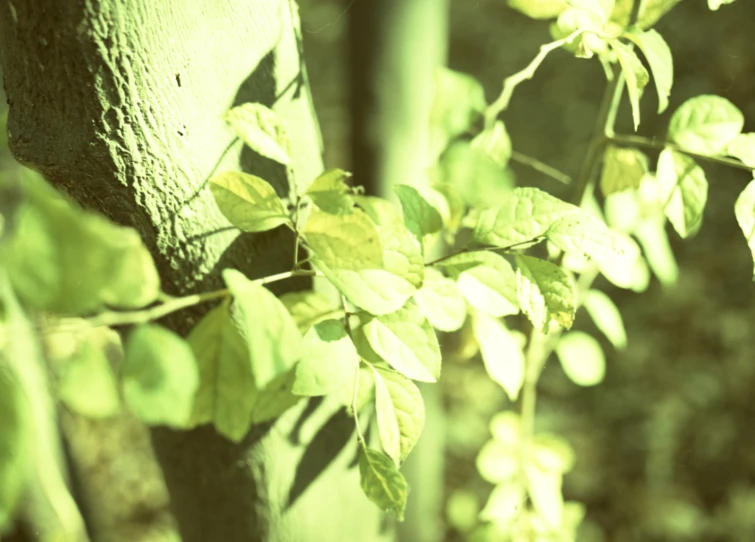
(119, 103)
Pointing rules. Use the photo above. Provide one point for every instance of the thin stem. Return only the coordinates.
(536, 164)
(511, 82)
(648, 143)
(179, 303)
(296, 231)
(484, 249)
(355, 393)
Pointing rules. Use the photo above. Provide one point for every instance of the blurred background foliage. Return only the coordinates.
(666, 444)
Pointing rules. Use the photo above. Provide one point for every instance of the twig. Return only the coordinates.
(536, 164)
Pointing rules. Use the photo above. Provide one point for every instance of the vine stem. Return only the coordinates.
(640, 141)
(485, 249)
(542, 167)
(511, 82)
(179, 303)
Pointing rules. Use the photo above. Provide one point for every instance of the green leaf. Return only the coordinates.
(270, 331)
(635, 74)
(382, 482)
(623, 169)
(544, 488)
(328, 360)
(498, 462)
(495, 143)
(441, 302)
(344, 241)
(651, 233)
(486, 280)
(66, 260)
(384, 289)
(248, 202)
(15, 454)
(652, 10)
(658, 55)
(503, 505)
(743, 148)
(744, 209)
(309, 308)
(406, 340)
(524, 217)
(87, 384)
(715, 4)
(553, 454)
(365, 393)
(607, 317)
(276, 398)
(478, 180)
(502, 353)
(539, 9)
(160, 376)
(226, 394)
(420, 217)
(705, 124)
(581, 358)
(683, 188)
(583, 234)
(400, 413)
(262, 130)
(458, 103)
(545, 293)
(331, 193)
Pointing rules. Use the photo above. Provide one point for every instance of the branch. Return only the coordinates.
(536, 164)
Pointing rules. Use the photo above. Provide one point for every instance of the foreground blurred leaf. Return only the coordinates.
(502, 353)
(539, 9)
(582, 358)
(14, 444)
(607, 317)
(160, 376)
(70, 261)
(87, 384)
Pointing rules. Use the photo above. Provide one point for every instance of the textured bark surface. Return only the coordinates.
(119, 103)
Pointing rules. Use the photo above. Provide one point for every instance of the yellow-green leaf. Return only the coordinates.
(545, 293)
(635, 74)
(328, 360)
(262, 130)
(248, 202)
(382, 482)
(581, 358)
(705, 124)
(344, 241)
(683, 189)
(744, 209)
(331, 193)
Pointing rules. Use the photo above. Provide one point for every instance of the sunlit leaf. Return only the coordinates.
(652, 10)
(607, 317)
(553, 454)
(651, 233)
(495, 143)
(270, 331)
(744, 209)
(539, 9)
(743, 148)
(226, 394)
(382, 482)
(309, 308)
(383, 289)
(582, 358)
(583, 234)
(658, 55)
(525, 216)
(715, 4)
(623, 169)
(502, 353)
(458, 103)
(545, 293)
(365, 393)
(544, 488)
(683, 188)
(420, 217)
(486, 280)
(345, 241)
(160, 376)
(705, 124)
(504, 504)
(441, 302)
(328, 360)
(275, 398)
(635, 74)
(248, 202)
(407, 341)
(262, 130)
(331, 193)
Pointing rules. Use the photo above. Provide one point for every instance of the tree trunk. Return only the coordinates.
(120, 104)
